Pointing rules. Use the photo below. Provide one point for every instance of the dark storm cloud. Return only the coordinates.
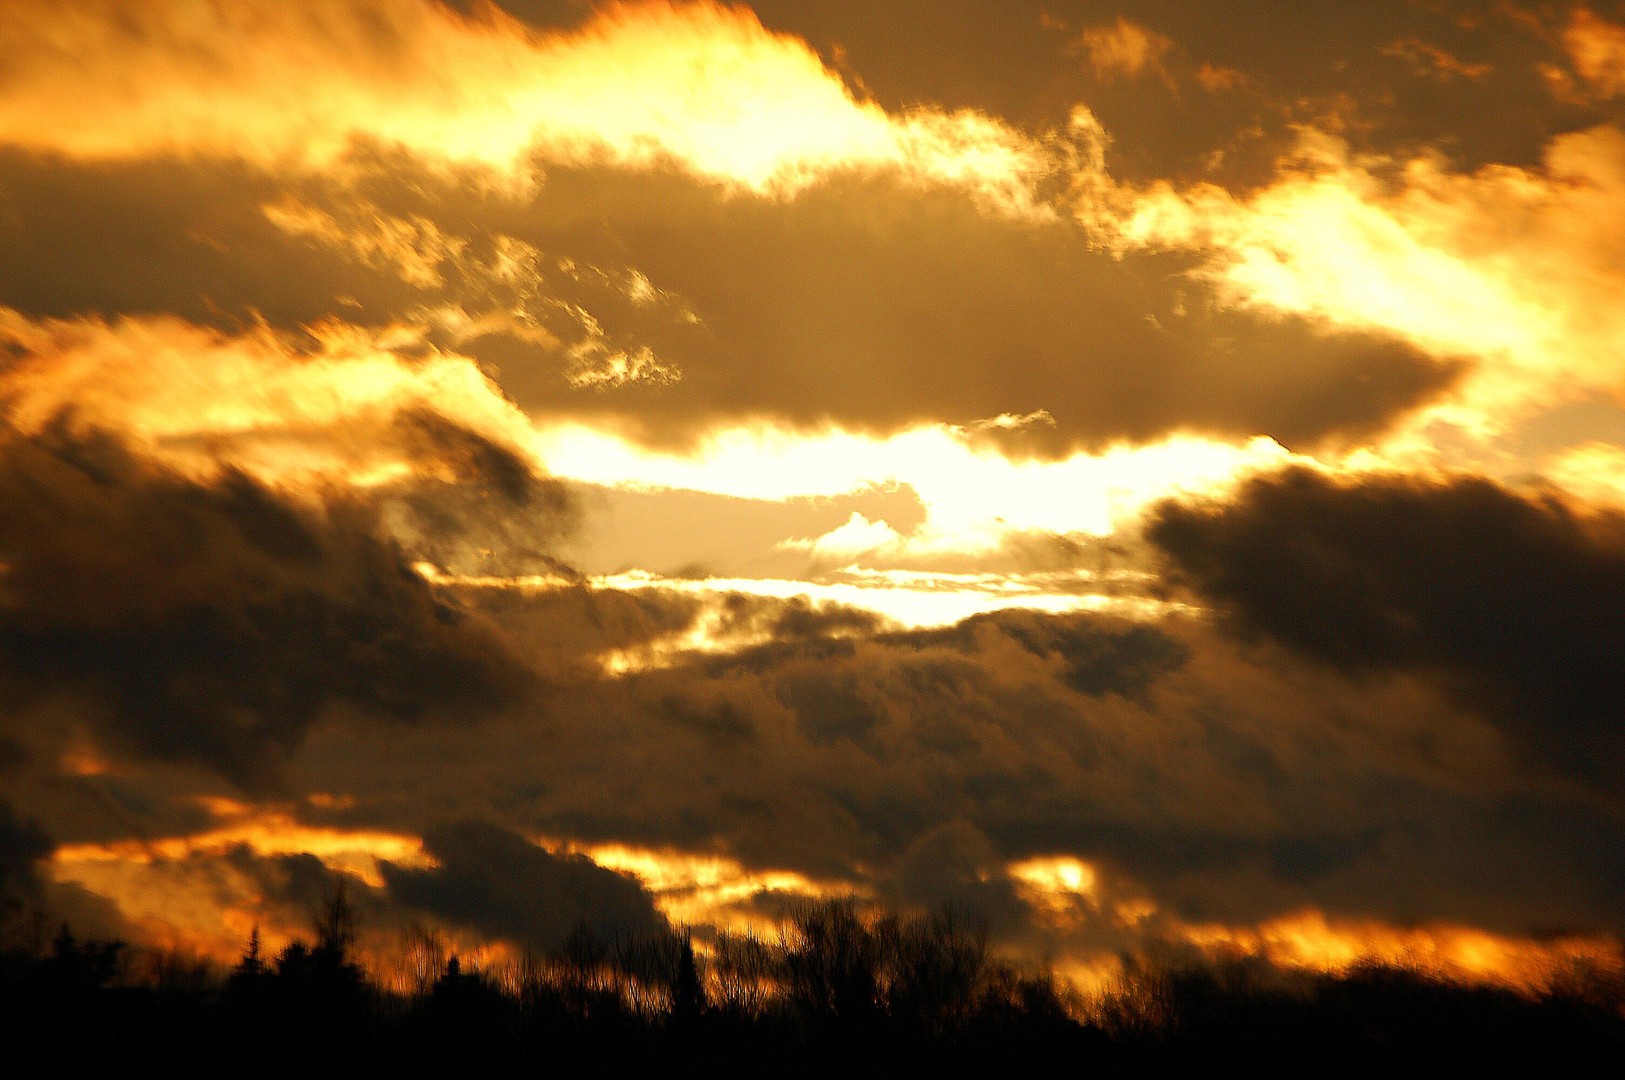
(1225, 783)
(497, 883)
(580, 622)
(1512, 598)
(814, 756)
(1100, 656)
(32, 905)
(214, 622)
(295, 890)
(955, 867)
(798, 620)
(137, 804)
(182, 237)
(784, 310)
(22, 845)
(873, 304)
(491, 514)
(226, 244)
(572, 628)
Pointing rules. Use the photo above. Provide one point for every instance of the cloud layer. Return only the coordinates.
(426, 433)
(1507, 596)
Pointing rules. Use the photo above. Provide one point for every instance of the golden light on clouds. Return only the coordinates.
(974, 495)
(1165, 487)
(701, 889)
(265, 833)
(330, 409)
(1511, 268)
(345, 408)
(901, 598)
(211, 908)
(288, 412)
(413, 247)
(711, 632)
(936, 601)
(1068, 894)
(1123, 49)
(1597, 49)
(1429, 59)
(302, 81)
(187, 892)
(1310, 940)
(1063, 890)
(1595, 472)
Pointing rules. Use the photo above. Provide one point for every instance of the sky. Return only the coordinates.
(1151, 474)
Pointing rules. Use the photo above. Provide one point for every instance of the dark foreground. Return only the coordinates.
(836, 997)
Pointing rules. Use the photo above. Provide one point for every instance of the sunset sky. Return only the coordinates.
(1149, 473)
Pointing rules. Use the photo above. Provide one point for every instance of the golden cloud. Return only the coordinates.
(326, 410)
(1310, 940)
(1123, 50)
(302, 81)
(1428, 59)
(1596, 48)
(1514, 268)
(974, 496)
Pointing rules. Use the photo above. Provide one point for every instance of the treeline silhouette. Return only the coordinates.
(841, 990)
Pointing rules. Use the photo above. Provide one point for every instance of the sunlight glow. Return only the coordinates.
(913, 607)
(1056, 874)
(975, 497)
(1513, 268)
(1309, 939)
(1595, 472)
(904, 599)
(302, 82)
(346, 407)
(265, 833)
(307, 297)
(702, 889)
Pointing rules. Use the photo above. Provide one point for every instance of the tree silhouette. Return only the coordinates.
(79, 967)
(687, 992)
(832, 963)
(335, 923)
(744, 967)
(843, 987)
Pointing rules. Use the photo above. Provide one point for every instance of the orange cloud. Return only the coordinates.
(1217, 79)
(341, 407)
(1596, 48)
(189, 891)
(1514, 268)
(1594, 471)
(700, 889)
(264, 832)
(1069, 894)
(302, 81)
(1308, 939)
(292, 414)
(1123, 50)
(184, 888)
(974, 496)
(411, 247)
(1429, 59)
